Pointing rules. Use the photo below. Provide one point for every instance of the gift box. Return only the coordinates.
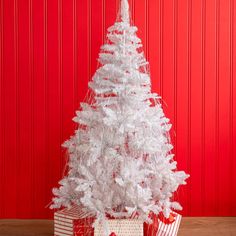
(169, 227)
(74, 222)
(122, 227)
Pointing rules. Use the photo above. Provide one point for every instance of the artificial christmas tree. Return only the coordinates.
(120, 160)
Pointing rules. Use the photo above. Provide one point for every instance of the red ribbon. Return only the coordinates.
(151, 229)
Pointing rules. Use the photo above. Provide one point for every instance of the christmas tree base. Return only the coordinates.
(73, 222)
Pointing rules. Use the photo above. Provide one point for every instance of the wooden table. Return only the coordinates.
(190, 226)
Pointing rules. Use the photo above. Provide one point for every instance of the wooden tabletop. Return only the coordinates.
(190, 226)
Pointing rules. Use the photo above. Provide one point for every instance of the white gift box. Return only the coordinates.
(122, 227)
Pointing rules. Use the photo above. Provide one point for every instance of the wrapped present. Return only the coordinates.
(74, 222)
(121, 227)
(170, 226)
(151, 229)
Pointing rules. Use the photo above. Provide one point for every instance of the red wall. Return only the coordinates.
(48, 53)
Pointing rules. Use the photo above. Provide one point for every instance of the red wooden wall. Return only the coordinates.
(47, 55)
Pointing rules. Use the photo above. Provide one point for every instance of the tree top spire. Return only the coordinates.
(124, 12)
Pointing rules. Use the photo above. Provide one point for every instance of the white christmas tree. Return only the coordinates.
(120, 159)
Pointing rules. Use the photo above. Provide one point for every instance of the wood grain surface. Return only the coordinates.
(190, 226)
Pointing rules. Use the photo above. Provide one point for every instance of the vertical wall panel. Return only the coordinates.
(109, 14)
(140, 21)
(154, 43)
(224, 107)
(210, 108)
(168, 57)
(32, 115)
(67, 107)
(38, 100)
(1, 109)
(203, 77)
(168, 66)
(48, 53)
(83, 49)
(196, 108)
(2, 119)
(181, 99)
(217, 138)
(24, 200)
(9, 107)
(75, 52)
(233, 104)
(96, 31)
(53, 96)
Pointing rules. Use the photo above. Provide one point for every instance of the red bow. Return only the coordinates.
(169, 220)
(112, 234)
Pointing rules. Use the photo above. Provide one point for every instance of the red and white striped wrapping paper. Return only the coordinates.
(169, 229)
(73, 222)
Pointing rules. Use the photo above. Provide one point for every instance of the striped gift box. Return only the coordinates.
(169, 229)
(74, 222)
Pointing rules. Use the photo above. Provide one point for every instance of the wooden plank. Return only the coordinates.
(205, 226)
(26, 227)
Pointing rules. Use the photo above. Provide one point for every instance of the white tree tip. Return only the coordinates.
(124, 11)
